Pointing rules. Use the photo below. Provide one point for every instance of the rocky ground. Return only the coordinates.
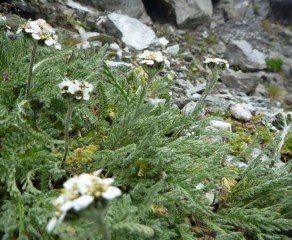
(245, 33)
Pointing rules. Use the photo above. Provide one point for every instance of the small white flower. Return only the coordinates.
(40, 30)
(76, 89)
(85, 182)
(150, 58)
(80, 191)
(147, 62)
(3, 19)
(213, 62)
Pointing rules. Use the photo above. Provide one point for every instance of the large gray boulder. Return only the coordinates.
(131, 31)
(241, 54)
(190, 13)
(132, 8)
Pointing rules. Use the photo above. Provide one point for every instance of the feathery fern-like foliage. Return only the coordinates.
(154, 163)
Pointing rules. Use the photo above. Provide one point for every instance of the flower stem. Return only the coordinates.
(31, 63)
(277, 156)
(144, 93)
(209, 88)
(101, 221)
(66, 131)
(200, 104)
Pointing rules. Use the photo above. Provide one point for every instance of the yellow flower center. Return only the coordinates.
(151, 56)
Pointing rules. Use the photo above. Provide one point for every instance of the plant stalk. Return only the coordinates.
(200, 104)
(66, 131)
(209, 88)
(101, 221)
(31, 63)
(277, 156)
(144, 93)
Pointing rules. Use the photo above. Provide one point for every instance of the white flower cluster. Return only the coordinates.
(216, 62)
(76, 89)
(151, 58)
(79, 192)
(42, 31)
(3, 21)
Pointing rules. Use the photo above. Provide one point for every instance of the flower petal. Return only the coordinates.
(36, 36)
(111, 193)
(108, 181)
(60, 200)
(67, 206)
(51, 225)
(82, 202)
(58, 46)
(70, 183)
(50, 42)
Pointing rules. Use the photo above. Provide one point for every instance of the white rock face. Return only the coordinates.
(221, 125)
(241, 111)
(133, 33)
(242, 54)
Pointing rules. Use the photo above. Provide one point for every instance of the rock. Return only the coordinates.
(132, 32)
(217, 104)
(77, 6)
(221, 125)
(189, 108)
(89, 36)
(104, 38)
(162, 42)
(241, 54)
(261, 91)
(281, 10)
(156, 101)
(86, 44)
(114, 46)
(133, 8)
(288, 100)
(228, 10)
(173, 50)
(239, 81)
(180, 102)
(191, 13)
(211, 196)
(200, 186)
(189, 88)
(118, 64)
(194, 96)
(241, 112)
